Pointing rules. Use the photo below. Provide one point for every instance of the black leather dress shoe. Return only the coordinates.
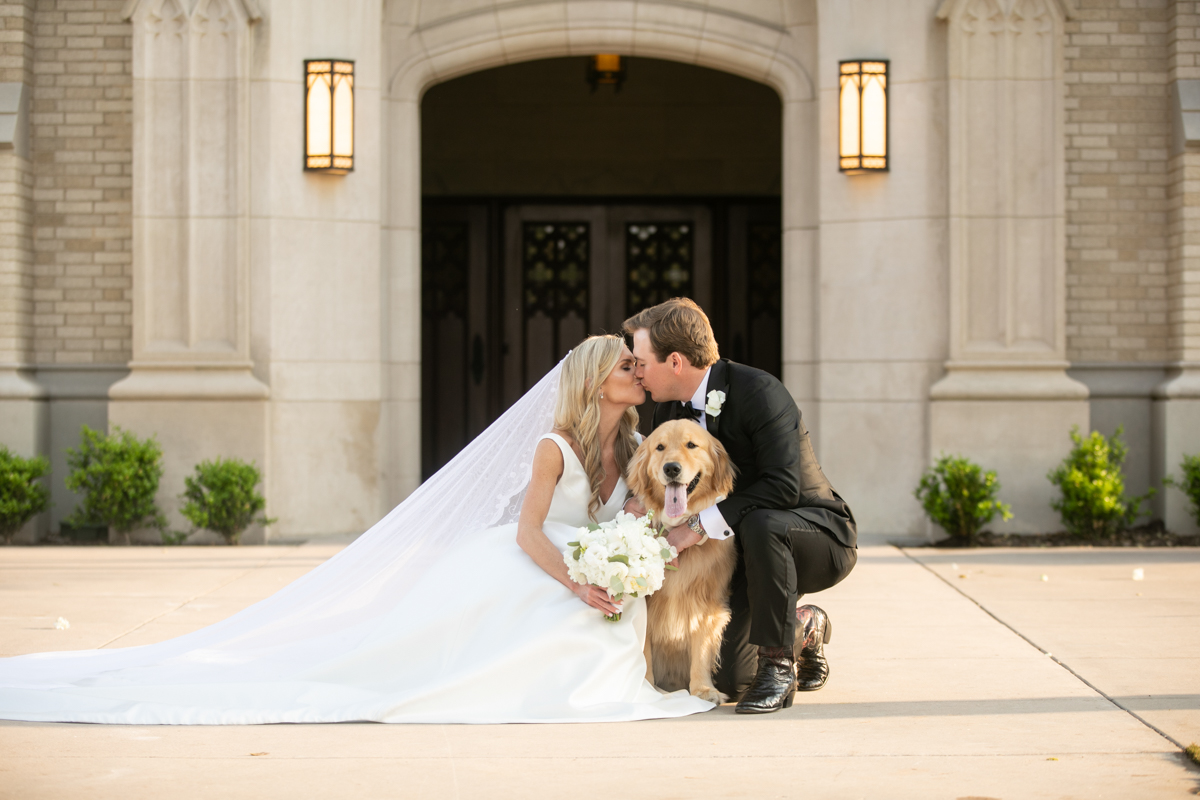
(774, 686)
(813, 631)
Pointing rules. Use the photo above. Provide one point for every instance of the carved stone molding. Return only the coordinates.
(249, 8)
(1007, 222)
(190, 199)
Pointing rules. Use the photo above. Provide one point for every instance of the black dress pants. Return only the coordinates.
(781, 557)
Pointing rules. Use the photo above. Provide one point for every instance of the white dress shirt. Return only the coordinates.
(711, 519)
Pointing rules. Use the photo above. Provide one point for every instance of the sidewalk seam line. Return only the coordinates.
(1040, 649)
(146, 622)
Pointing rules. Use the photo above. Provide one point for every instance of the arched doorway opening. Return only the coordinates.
(551, 211)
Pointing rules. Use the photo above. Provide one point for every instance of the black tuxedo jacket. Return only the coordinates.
(760, 426)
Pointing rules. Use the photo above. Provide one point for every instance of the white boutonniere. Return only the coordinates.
(712, 405)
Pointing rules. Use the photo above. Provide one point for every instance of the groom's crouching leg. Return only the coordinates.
(771, 584)
(770, 576)
(821, 562)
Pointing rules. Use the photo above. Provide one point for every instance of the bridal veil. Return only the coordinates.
(336, 606)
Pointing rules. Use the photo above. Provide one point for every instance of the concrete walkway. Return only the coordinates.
(941, 688)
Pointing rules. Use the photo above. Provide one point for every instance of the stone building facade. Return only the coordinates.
(1028, 263)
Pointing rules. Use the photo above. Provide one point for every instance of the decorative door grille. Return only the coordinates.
(555, 261)
(658, 262)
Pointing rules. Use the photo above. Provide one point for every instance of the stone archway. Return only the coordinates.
(423, 52)
(670, 185)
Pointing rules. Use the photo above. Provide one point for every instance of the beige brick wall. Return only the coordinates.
(82, 154)
(1118, 140)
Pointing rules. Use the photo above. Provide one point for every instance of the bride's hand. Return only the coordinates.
(595, 597)
(635, 507)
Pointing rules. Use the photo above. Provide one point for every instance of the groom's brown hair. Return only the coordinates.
(677, 326)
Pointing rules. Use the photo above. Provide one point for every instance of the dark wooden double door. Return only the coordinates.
(509, 287)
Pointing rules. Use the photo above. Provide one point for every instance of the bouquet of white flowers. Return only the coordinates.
(626, 556)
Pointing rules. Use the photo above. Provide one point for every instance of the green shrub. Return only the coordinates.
(1093, 503)
(959, 496)
(119, 476)
(22, 496)
(222, 497)
(174, 537)
(1190, 467)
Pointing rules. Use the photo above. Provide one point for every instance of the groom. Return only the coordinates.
(794, 534)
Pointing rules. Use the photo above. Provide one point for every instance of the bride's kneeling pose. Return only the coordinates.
(450, 609)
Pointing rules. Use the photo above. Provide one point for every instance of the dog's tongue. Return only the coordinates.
(676, 500)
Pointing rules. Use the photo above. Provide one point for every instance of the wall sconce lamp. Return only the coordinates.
(607, 70)
(329, 116)
(863, 116)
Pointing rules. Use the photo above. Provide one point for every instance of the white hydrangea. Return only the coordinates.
(624, 556)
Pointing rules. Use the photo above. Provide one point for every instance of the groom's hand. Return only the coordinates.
(681, 538)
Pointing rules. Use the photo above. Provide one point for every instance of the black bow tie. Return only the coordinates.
(690, 411)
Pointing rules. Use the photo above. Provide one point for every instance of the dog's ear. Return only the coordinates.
(723, 466)
(635, 470)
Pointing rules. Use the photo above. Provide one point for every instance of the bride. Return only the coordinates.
(447, 610)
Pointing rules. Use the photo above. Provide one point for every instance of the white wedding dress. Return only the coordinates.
(478, 634)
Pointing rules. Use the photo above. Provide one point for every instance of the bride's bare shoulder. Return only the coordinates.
(570, 440)
(548, 460)
(565, 435)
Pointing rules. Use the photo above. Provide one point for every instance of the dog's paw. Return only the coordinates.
(710, 694)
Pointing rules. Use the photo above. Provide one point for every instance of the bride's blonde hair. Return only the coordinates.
(577, 408)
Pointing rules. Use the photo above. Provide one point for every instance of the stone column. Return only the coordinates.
(24, 421)
(801, 223)
(402, 260)
(191, 383)
(1006, 400)
(1176, 419)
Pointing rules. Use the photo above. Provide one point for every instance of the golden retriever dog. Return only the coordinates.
(679, 470)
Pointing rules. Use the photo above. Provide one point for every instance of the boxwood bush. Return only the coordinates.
(22, 495)
(118, 475)
(1093, 503)
(1190, 485)
(222, 496)
(960, 496)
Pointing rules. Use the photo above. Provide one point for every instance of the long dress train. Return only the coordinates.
(483, 636)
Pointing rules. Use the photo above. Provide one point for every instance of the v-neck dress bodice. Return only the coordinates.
(574, 491)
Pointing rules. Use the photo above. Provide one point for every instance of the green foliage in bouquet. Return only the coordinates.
(1093, 503)
(960, 496)
(118, 475)
(22, 495)
(222, 496)
(1190, 467)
